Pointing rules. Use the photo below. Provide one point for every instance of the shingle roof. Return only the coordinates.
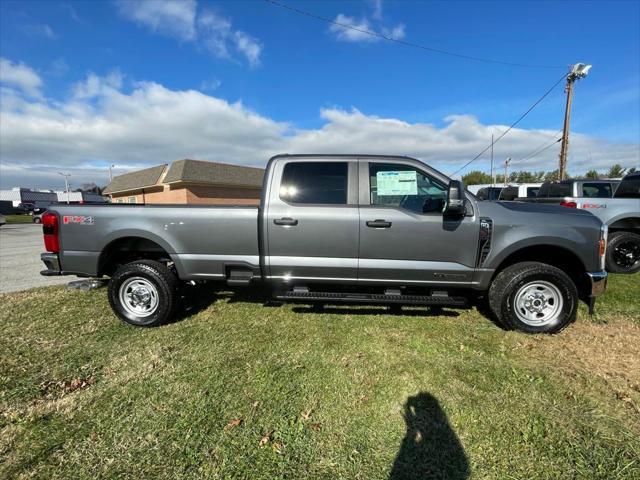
(135, 180)
(198, 171)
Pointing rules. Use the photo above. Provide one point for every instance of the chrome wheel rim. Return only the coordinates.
(139, 296)
(538, 303)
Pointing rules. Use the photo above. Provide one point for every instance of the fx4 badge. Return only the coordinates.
(80, 219)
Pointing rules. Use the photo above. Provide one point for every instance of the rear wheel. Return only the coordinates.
(144, 293)
(623, 252)
(533, 297)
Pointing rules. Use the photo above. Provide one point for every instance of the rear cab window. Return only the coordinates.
(315, 183)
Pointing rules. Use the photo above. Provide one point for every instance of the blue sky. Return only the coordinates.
(239, 81)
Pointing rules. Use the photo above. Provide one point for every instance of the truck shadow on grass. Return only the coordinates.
(430, 448)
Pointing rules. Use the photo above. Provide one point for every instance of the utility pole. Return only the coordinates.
(577, 71)
(493, 178)
(66, 183)
(506, 167)
(111, 173)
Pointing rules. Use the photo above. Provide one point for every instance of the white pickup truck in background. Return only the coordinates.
(615, 203)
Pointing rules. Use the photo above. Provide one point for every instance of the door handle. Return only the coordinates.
(378, 223)
(287, 221)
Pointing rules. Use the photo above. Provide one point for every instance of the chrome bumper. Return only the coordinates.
(598, 283)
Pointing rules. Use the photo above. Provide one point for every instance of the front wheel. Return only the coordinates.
(533, 297)
(623, 252)
(144, 293)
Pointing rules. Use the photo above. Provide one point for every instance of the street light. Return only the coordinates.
(66, 183)
(576, 72)
(111, 173)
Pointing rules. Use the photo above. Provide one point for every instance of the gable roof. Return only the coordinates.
(135, 180)
(199, 171)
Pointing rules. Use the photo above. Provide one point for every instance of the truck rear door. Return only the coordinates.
(311, 221)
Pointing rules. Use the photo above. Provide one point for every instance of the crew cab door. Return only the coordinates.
(404, 236)
(311, 221)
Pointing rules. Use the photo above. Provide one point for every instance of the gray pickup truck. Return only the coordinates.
(342, 228)
(616, 203)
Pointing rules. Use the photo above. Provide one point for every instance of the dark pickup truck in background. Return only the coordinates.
(615, 202)
(342, 228)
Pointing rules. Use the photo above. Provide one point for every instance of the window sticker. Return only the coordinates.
(397, 183)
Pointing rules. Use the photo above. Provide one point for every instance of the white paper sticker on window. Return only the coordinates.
(397, 183)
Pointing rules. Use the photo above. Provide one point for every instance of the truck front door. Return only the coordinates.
(404, 236)
(312, 221)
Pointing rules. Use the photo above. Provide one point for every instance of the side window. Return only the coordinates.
(509, 193)
(315, 183)
(532, 191)
(629, 188)
(596, 190)
(405, 187)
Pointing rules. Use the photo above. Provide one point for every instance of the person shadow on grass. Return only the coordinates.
(430, 448)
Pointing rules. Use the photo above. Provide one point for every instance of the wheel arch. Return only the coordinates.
(130, 247)
(629, 224)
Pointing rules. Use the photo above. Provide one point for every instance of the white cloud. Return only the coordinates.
(377, 9)
(353, 30)
(40, 30)
(94, 86)
(103, 123)
(349, 29)
(397, 32)
(180, 19)
(174, 18)
(248, 46)
(20, 76)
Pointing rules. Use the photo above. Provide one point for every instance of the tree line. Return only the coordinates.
(476, 177)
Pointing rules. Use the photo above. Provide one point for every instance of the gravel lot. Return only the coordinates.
(20, 265)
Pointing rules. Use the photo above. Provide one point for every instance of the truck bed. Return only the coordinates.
(189, 234)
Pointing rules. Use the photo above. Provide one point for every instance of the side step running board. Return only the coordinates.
(239, 278)
(371, 298)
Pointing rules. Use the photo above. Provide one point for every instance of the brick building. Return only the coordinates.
(189, 182)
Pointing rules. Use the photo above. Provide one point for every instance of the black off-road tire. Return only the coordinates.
(507, 284)
(161, 278)
(628, 241)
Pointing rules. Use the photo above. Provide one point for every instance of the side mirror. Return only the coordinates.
(455, 199)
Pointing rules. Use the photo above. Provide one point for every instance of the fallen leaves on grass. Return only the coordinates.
(609, 351)
(265, 439)
(63, 387)
(236, 422)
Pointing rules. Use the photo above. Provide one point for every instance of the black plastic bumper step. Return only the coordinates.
(377, 298)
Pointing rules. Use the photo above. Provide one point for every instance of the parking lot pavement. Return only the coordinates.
(20, 265)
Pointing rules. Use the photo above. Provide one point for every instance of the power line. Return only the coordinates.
(535, 153)
(404, 42)
(511, 126)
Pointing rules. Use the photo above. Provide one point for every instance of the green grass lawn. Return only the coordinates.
(242, 390)
(18, 218)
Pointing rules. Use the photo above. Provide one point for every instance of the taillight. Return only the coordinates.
(569, 204)
(602, 245)
(50, 231)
